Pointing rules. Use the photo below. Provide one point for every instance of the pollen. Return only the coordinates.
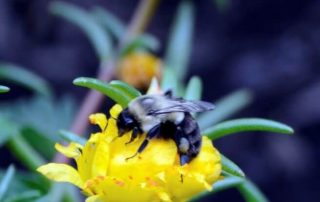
(119, 183)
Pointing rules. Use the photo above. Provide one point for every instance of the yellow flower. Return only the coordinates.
(104, 174)
(138, 68)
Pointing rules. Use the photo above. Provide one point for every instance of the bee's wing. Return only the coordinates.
(180, 105)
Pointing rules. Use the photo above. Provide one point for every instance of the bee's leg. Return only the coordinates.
(134, 134)
(184, 159)
(151, 134)
(183, 146)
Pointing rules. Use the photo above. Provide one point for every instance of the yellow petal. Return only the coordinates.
(158, 155)
(73, 150)
(113, 189)
(115, 111)
(94, 198)
(164, 196)
(100, 161)
(197, 176)
(99, 119)
(61, 173)
(208, 160)
(84, 162)
(111, 131)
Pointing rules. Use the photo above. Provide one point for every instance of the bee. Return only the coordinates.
(164, 116)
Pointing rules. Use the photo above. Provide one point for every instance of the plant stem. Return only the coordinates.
(93, 99)
(25, 153)
(141, 19)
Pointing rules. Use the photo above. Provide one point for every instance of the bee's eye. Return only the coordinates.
(147, 101)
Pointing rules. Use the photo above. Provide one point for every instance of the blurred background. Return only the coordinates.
(269, 47)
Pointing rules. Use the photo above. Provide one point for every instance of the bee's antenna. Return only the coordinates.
(181, 178)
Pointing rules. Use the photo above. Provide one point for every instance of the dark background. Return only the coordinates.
(269, 46)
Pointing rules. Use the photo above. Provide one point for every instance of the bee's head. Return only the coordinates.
(125, 122)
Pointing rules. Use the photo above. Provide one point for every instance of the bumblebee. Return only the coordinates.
(164, 116)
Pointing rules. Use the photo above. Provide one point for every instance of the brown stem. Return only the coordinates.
(93, 99)
(141, 19)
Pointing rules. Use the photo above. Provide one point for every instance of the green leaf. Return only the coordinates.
(250, 192)
(169, 80)
(25, 78)
(230, 167)
(60, 192)
(244, 125)
(225, 107)
(37, 120)
(179, 46)
(117, 29)
(25, 153)
(141, 43)
(72, 137)
(6, 180)
(109, 21)
(40, 142)
(27, 196)
(105, 88)
(8, 130)
(22, 182)
(226, 183)
(99, 37)
(4, 89)
(130, 91)
(194, 89)
(44, 115)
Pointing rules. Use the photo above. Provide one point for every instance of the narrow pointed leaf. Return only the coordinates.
(169, 80)
(5, 181)
(105, 88)
(117, 29)
(126, 88)
(194, 89)
(225, 108)
(245, 125)
(25, 153)
(24, 77)
(144, 42)
(4, 89)
(98, 36)
(72, 137)
(179, 46)
(42, 143)
(109, 21)
(251, 192)
(226, 183)
(27, 115)
(8, 130)
(230, 167)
